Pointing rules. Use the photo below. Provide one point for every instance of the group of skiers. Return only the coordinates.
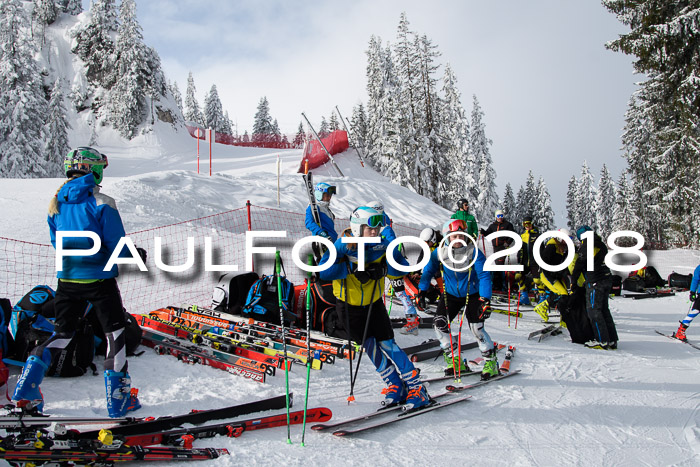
(79, 206)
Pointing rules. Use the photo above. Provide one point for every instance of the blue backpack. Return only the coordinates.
(262, 303)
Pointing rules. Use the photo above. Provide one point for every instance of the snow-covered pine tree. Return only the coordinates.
(262, 123)
(132, 74)
(664, 37)
(358, 127)
(56, 128)
(175, 91)
(459, 181)
(94, 44)
(300, 137)
(605, 203)
(72, 7)
(509, 208)
(323, 128)
(228, 125)
(487, 201)
(623, 214)
(246, 137)
(192, 110)
(44, 14)
(586, 199)
(333, 123)
(214, 112)
(521, 206)
(572, 216)
(544, 215)
(23, 106)
(276, 133)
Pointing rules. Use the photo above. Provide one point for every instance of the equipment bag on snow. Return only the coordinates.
(650, 275)
(681, 281)
(633, 284)
(263, 303)
(132, 334)
(76, 358)
(232, 290)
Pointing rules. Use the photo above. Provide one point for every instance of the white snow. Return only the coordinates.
(638, 405)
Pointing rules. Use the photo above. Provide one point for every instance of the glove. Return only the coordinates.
(485, 305)
(482, 232)
(324, 234)
(376, 270)
(420, 299)
(142, 253)
(693, 296)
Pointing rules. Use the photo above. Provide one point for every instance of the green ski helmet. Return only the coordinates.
(84, 160)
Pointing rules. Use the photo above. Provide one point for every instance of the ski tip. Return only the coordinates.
(340, 433)
(351, 399)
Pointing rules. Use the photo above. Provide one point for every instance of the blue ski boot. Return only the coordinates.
(27, 393)
(417, 395)
(395, 392)
(120, 397)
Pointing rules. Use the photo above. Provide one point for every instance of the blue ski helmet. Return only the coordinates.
(581, 230)
(322, 188)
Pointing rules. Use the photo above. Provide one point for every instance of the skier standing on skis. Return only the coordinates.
(470, 287)
(469, 220)
(360, 307)
(499, 244)
(79, 206)
(554, 252)
(694, 308)
(598, 286)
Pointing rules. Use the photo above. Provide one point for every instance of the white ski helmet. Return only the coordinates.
(365, 215)
(566, 232)
(428, 235)
(376, 204)
(498, 213)
(322, 188)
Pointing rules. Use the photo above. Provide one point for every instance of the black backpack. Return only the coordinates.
(681, 281)
(574, 315)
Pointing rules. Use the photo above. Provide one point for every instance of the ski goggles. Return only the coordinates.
(499, 216)
(331, 190)
(527, 223)
(455, 225)
(375, 221)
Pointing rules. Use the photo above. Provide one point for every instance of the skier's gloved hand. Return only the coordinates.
(376, 270)
(363, 276)
(324, 234)
(693, 296)
(482, 232)
(420, 299)
(142, 253)
(485, 305)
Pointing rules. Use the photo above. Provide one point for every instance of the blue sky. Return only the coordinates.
(552, 94)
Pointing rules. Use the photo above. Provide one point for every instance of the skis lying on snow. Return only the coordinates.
(429, 344)
(61, 453)
(185, 436)
(551, 330)
(197, 354)
(677, 339)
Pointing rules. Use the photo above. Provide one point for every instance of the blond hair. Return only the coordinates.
(53, 204)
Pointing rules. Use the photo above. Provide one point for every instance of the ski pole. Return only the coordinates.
(457, 367)
(364, 337)
(351, 397)
(506, 278)
(278, 271)
(309, 357)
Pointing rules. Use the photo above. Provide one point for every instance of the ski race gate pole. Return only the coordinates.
(323, 145)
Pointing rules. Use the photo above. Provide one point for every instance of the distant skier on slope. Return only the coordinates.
(469, 287)
(694, 309)
(79, 206)
(360, 306)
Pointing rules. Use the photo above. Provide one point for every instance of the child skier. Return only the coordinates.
(694, 309)
(79, 206)
(361, 309)
(470, 287)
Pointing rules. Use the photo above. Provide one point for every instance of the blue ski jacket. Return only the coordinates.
(327, 225)
(458, 284)
(83, 208)
(696, 280)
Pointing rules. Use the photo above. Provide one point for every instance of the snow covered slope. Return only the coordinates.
(639, 405)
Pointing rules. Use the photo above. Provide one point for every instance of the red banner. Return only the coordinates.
(335, 142)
